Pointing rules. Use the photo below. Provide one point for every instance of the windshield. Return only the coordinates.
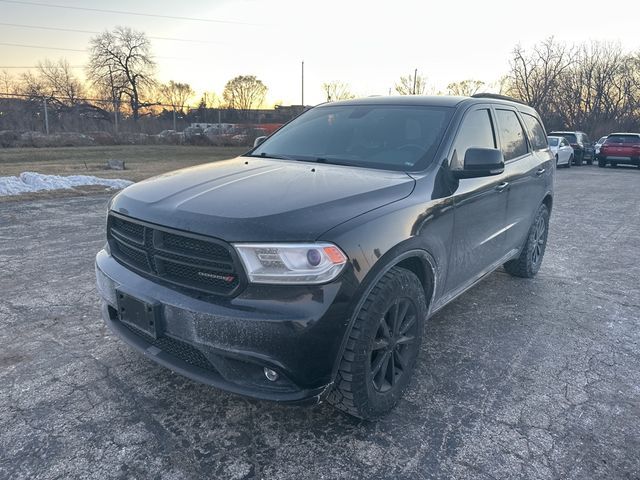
(553, 142)
(389, 137)
(601, 141)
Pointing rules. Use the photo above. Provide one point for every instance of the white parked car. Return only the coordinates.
(598, 144)
(562, 150)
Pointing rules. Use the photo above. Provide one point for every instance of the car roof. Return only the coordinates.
(433, 101)
(418, 100)
(624, 133)
(573, 132)
(555, 136)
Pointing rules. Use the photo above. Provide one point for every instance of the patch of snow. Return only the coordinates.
(35, 182)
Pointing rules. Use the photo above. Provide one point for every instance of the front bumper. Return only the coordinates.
(295, 330)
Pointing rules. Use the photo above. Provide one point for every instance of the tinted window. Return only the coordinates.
(602, 139)
(553, 142)
(476, 131)
(512, 136)
(536, 132)
(380, 136)
(571, 138)
(622, 139)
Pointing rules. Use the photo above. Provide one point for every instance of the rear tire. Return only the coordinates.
(602, 163)
(578, 160)
(382, 348)
(530, 259)
(614, 165)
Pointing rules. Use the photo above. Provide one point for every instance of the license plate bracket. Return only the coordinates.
(141, 314)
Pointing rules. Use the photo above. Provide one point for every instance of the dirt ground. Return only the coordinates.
(517, 379)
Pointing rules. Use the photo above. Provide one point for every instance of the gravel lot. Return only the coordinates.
(517, 378)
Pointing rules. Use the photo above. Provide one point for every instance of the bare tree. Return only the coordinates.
(121, 65)
(466, 88)
(534, 76)
(59, 83)
(244, 92)
(337, 90)
(411, 85)
(7, 83)
(176, 94)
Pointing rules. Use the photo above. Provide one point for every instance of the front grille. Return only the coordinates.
(187, 261)
(177, 348)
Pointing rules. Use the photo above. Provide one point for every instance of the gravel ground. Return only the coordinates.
(517, 378)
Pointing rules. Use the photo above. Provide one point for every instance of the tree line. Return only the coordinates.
(593, 86)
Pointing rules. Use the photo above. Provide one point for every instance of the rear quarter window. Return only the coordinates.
(536, 132)
(512, 138)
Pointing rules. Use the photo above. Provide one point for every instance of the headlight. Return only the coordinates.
(291, 263)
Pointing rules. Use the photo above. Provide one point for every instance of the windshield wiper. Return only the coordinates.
(277, 156)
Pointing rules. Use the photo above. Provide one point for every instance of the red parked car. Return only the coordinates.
(620, 148)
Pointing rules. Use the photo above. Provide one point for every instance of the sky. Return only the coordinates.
(367, 44)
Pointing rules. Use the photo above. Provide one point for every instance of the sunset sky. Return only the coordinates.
(366, 44)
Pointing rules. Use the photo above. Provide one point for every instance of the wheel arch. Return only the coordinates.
(418, 261)
(548, 201)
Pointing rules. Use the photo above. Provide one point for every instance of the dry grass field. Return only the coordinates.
(142, 161)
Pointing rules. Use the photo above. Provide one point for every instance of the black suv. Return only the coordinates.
(306, 268)
(582, 148)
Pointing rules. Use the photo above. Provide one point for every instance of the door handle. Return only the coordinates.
(540, 171)
(501, 186)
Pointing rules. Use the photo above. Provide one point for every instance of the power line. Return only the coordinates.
(22, 45)
(92, 32)
(42, 47)
(37, 66)
(124, 12)
(79, 99)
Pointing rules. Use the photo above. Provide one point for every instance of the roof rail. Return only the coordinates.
(495, 96)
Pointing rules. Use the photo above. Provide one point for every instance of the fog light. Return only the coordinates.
(271, 375)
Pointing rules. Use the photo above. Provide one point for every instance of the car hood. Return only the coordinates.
(252, 199)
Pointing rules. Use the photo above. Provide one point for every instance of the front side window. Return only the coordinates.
(536, 132)
(514, 143)
(476, 131)
(390, 137)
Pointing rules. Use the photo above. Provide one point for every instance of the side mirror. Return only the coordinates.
(259, 140)
(481, 162)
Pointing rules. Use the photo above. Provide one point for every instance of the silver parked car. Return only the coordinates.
(598, 144)
(562, 150)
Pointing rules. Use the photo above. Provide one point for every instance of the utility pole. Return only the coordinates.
(303, 83)
(46, 116)
(174, 119)
(115, 116)
(415, 77)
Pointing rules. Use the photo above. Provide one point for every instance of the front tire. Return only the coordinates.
(382, 348)
(570, 161)
(602, 163)
(530, 259)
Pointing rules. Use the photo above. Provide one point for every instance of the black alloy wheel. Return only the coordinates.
(396, 333)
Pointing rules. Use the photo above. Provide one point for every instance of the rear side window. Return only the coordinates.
(476, 131)
(553, 142)
(514, 143)
(536, 132)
